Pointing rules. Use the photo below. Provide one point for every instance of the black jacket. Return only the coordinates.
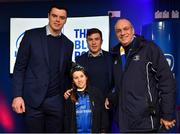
(31, 71)
(99, 114)
(146, 88)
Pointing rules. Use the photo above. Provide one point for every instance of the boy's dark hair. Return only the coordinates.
(58, 7)
(92, 31)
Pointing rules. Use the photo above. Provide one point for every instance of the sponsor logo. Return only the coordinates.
(136, 58)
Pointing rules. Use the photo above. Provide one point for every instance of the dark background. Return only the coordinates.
(140, 12)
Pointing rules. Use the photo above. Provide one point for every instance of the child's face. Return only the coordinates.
(79, 79)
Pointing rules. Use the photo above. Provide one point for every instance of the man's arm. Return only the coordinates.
(19, 73)
(69, 65)
(166, 87)
(111, 99)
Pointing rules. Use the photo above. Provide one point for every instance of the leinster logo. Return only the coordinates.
(170, 60)
(18, 43)
(19, 40)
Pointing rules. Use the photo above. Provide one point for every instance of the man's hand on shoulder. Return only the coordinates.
(18, 105)
(67, 93)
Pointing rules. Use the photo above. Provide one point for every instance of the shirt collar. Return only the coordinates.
(48, 32)
(91, 55)
(80, 93)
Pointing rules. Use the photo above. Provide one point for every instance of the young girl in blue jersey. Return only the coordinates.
(84, 109)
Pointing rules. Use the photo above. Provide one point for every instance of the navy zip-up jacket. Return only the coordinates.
(145, 89)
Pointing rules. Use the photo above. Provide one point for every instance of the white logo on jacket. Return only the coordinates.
(136, 58)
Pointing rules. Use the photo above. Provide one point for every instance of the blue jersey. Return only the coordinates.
(83, 113)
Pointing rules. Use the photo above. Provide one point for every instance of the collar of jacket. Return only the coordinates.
(137, 44)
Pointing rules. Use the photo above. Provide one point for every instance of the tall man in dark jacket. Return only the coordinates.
(40, 74)
(144, 83)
